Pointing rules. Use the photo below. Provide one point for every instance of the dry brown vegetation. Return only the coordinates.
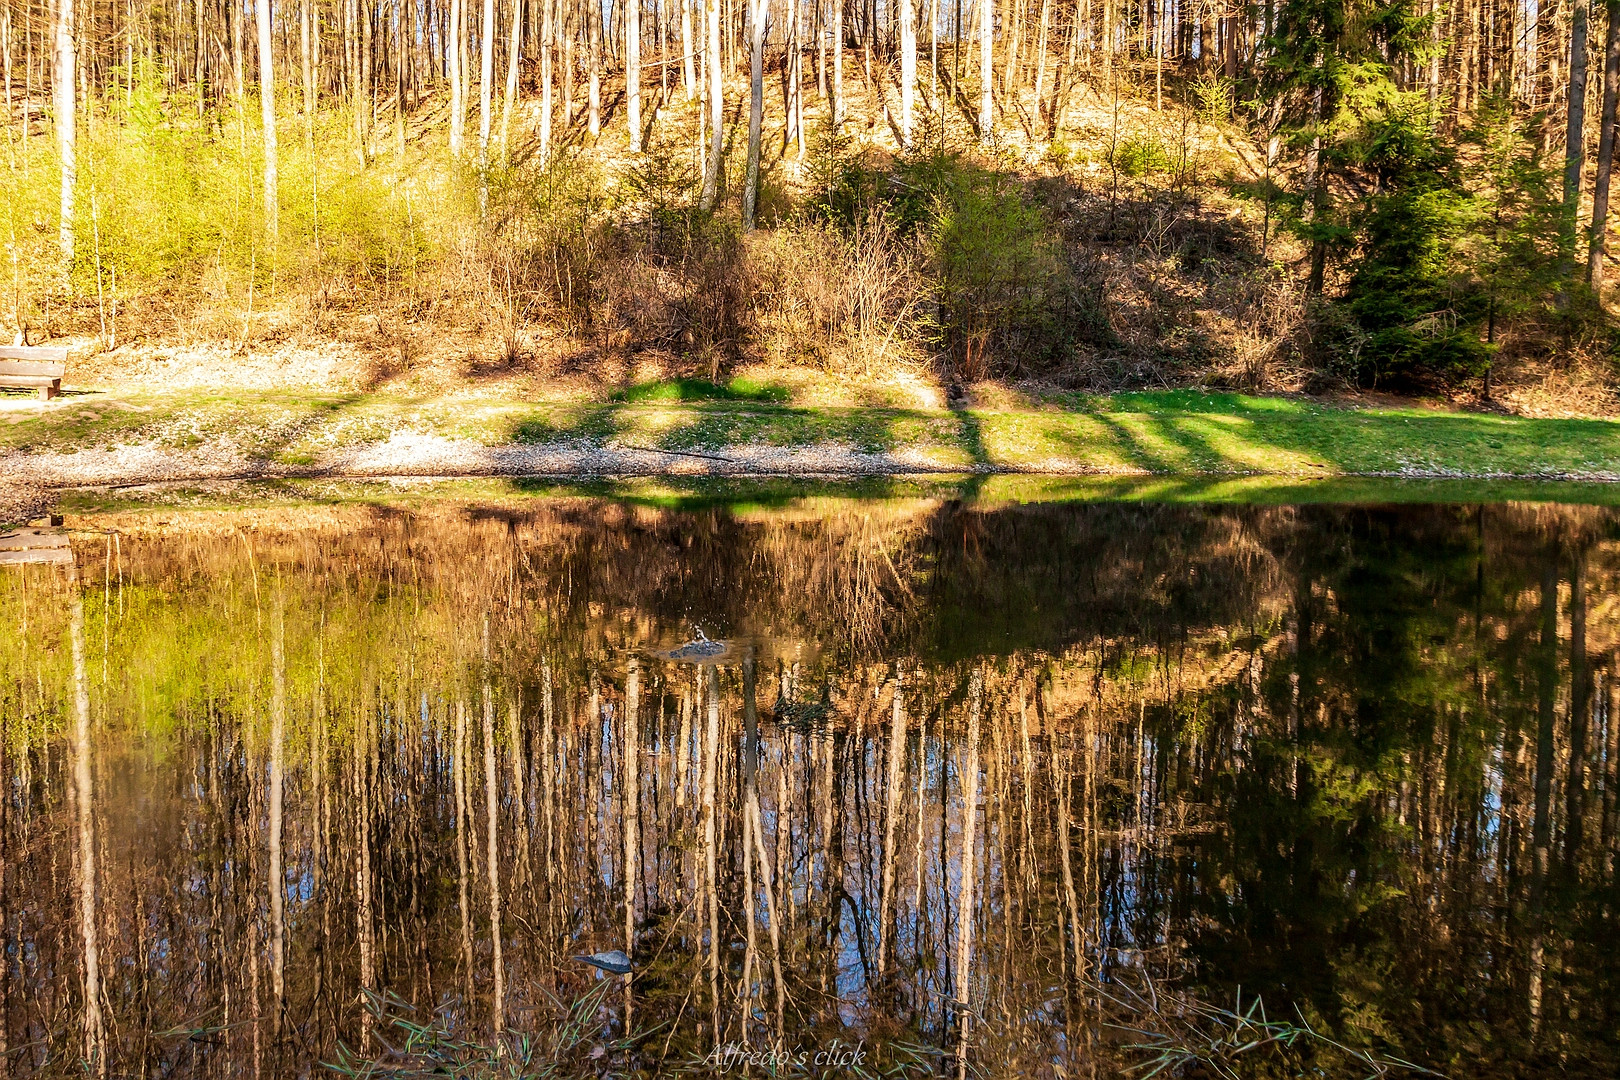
(1085, 268)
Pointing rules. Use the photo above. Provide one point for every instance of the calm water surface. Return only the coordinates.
(1048, 791)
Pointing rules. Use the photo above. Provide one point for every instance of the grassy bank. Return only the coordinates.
(1173, 433)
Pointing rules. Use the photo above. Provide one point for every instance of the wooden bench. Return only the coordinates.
(35, 366)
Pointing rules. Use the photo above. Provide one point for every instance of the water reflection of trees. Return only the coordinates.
(964, 777)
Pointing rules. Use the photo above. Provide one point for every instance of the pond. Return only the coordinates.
(910, 786)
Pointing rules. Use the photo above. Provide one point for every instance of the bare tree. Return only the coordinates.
(62, 80)
(759, 11)
(593, 19)
(632, 71)
(1605, 163)
(514, 60)
(278, 739)
(486, 79)
(1574, 131)
(458, 76)
(688, 74)
(908, 67)
(715, 101)
(267, 107)
(987, 116)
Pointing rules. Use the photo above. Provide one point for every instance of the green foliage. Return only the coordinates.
(1139, 155)
(998, 265)
(1214, 97)
(1514, 247)
(1413, 294)
(170, 195)
(1449, 250)
(1330, 69)
(738, 389)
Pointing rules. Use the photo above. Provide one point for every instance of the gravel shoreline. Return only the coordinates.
(431, 455)
(27, 481)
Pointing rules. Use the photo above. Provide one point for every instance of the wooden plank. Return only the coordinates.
(29, 380)
(49, 354)
(12, 368)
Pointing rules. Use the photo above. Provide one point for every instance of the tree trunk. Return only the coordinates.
(1574, 134)
(688, 72)
(1040, 56)
(716, 105)
(968, 859)
(1605, 163)
(458, 79)
(548, 42)
(711, 740)
(632, 71)
(987, 117)
(95, 1043)
(837, 63)
(593, 17)
(62, 93)
(492, 803)
(630, 785)
(278, 738)
(759, 11)
(486, 79)
(891, 814)
(305, 26)
(908, 67)
(514, 60)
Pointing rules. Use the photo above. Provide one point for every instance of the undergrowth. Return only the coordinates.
(1116, 259)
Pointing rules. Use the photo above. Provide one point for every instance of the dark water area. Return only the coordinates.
(915, 786)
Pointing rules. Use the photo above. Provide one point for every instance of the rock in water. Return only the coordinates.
(613, 961)
(701, 648)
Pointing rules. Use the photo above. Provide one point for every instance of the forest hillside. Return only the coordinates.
(918, 199)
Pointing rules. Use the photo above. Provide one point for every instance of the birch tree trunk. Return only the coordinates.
(837, 63)
(631, 786)
(688, 74)
(759, 10)
(891, 814)
(486, 78)
(458, 77)
(95, 1043)
(514, 59)
(278, 738)
(711, 739)
(62, 93)
(459, 777)
(306, 59)
(908, 68)
(715, 102)
(987, 119)
(632, 71)
(267, 105)
(497, 1005)
(548, 42)
(969, 857)
(593, 19)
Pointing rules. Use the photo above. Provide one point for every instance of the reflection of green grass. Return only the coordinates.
(769, 493)
(1174, 433)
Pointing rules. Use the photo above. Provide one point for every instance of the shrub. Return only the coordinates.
(999, 274)
(1138, 155)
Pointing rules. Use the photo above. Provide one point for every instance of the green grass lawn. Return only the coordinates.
(1175, 433)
